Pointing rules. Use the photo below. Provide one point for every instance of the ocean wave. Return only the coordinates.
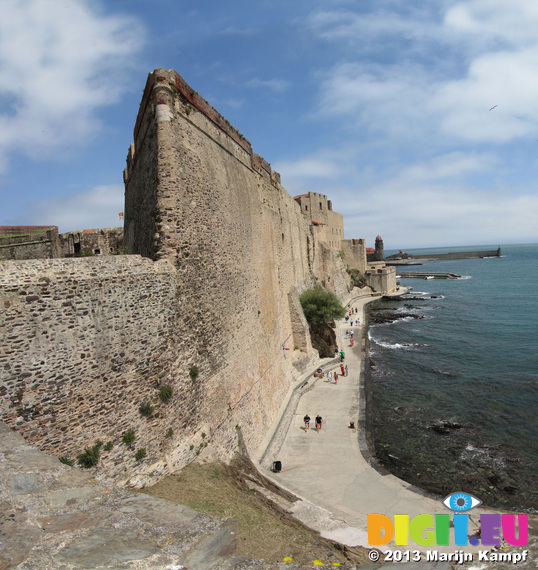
(425, 295)
(399, 345)
(465, 277)
(481, 455)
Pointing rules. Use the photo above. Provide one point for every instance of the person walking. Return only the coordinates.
(335, 378)
(346, 370)
(351, 341)
(319, 421)
(329, 376)
(342, 356)
(306, 420)
(342, 369)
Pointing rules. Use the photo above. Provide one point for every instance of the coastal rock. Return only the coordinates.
(388, 317)
(444, 427)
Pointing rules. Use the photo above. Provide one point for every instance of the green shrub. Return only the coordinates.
(90, 456)
(66, 461)
(169, 433)
(320, 306)
(140, 454)
(128, 437)
(146, 409)
(194, 372)
(108, 446)
(166, 393)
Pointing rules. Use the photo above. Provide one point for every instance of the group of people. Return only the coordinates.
(349, 317)
(333, 375)
(306, 419)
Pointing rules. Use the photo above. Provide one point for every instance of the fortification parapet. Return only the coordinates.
(29, 242)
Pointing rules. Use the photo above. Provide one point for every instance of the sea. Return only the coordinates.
(455, 381)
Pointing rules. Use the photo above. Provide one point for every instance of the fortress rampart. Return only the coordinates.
(208, 304)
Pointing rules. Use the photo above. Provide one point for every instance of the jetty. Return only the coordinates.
(428, 275)
(403, 258)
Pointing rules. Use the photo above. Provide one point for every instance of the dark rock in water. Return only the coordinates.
(444, 427)
(379, 318)
(324, 340)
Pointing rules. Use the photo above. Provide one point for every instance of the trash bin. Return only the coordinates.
(277, 466)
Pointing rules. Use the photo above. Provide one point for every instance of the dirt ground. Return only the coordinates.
(265, 531)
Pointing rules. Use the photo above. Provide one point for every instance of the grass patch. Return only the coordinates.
(194, 372)
(166, 393)
(146, 409)
(140, 454)
(90, 456)
(262, 531)
(128, 437)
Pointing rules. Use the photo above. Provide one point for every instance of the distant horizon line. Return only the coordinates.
(479, 246)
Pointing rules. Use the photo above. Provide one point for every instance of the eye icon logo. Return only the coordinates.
(460, 502)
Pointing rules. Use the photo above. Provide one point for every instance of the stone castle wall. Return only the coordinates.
(88, 341)
(239, 244)
(29, 242)
(355, 253)
(224, 253)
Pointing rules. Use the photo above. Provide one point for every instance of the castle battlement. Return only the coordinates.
(169, 93)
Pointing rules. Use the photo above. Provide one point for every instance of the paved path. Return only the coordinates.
(327, 469)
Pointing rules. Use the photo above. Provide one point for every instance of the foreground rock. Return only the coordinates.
(56, 516)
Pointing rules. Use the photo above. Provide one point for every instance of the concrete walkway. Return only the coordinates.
(328, 470)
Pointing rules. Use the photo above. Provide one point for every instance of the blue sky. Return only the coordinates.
(383, 105)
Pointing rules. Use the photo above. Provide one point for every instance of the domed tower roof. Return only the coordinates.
(378, 238)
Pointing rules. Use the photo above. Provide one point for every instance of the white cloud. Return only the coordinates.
(308, 167)
(491, 21)
(361, 28)
(448, 70)
(59, 62)
(95, 208)
(429, 202)
(277, 85)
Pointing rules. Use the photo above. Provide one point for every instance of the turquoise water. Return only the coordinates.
(456, 390)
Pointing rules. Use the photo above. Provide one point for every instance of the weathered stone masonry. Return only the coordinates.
(84, 337)
(225, 253)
